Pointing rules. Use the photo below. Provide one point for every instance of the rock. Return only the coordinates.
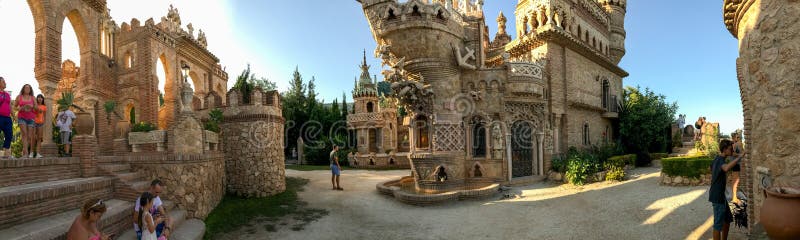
(695, 181)
(678, 179)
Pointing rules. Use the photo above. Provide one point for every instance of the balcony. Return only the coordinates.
(364, 117)
(611, 108)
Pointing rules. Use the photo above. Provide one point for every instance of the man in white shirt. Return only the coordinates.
(165, 228)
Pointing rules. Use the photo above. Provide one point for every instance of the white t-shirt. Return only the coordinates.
(64, 121)
(156, 203)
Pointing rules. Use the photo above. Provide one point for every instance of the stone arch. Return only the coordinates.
(196, 81)
(391, 161)
(391, 13)
(477, 170)
(164, 111)
(440, 174)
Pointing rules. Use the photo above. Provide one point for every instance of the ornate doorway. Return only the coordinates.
(521, 149)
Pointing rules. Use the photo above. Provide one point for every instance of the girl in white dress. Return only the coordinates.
(146, 219)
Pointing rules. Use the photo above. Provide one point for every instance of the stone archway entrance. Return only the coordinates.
(521, 149)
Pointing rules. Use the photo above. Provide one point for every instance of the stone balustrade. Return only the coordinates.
(158, 137)
(365, 117)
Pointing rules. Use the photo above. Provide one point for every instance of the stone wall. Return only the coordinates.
(703, 180)
(195, 183)
(768, 67)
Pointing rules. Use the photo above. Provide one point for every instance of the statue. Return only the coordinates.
(190, 29)
(201, 38)
(497, 142)
(462, 59)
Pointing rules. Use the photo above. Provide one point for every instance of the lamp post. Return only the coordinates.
(186, 90)
(185, 69)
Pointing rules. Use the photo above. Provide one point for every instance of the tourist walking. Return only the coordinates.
(335, 169)
(716, 193)
(41, 110)
(26, 115)
(146, 219)
(163, 228)
(6, 124)
(85, 225)
(64, 123)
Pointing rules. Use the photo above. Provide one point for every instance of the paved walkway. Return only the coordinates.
(634, 209)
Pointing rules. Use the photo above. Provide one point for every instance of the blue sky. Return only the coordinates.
(678, 48)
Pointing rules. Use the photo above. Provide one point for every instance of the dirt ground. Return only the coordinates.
(637, 208)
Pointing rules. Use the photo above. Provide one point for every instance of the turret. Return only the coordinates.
(616, 13)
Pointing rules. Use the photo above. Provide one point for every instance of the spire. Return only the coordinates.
(364, 62)
(501, 24)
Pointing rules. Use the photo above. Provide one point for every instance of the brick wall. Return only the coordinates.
(86, 148)
(26, 171)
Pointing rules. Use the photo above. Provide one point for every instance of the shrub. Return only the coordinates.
(559, 164)
(643, 159)
(580, 166)
(143, 127)
(214, 119)
(615, 173)
(686, 166)
(622, 160)
(657, 156)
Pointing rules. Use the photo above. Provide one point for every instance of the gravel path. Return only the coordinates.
(634, 209)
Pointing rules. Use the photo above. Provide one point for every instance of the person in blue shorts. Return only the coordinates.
(335, 169)
(716, 194)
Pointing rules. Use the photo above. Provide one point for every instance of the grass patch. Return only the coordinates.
(235, 212)
(690, 166)
(328, 168)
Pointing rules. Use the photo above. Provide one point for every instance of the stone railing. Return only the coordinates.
(159, 137)
(363, 117)
(522, 69)
(210, 141)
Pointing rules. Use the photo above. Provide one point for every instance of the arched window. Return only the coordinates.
(369, 107)
(415, 11)
(478, 139)
(605, 94)
(586, 134)
(128, 60)
(607, 134)
(476, 172)
(391, 16)
(422, 128)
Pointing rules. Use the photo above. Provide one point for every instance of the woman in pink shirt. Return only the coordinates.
(26, 115)
(5, 119)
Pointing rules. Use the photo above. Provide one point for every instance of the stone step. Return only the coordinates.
(23, 203)
(116, 167)
(192, 229)
(177, 216)
(688, 144)
(116, 218)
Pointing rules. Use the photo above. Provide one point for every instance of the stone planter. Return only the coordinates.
(84, 123)
(780, 213)
(159, 137)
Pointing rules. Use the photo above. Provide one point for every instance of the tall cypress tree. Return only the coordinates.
(344, 106)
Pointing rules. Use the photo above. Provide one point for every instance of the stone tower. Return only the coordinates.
(365, 102)
(616, 13)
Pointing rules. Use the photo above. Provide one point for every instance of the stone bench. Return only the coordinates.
(158, 137)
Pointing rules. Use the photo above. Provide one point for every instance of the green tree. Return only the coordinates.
(247, 81)
(264, 83)
(644, 116)
(344, 106)
(384, 88)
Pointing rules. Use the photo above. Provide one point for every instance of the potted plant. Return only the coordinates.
(779, 212)
(84, 123)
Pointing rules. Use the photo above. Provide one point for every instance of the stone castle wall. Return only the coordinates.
(194, 182)
(768, 68)
(252, 140)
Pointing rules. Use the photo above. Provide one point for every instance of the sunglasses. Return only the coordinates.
(100, 202)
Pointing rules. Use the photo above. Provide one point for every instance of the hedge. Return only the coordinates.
(622, 160)
(657, 156)
(693, 166)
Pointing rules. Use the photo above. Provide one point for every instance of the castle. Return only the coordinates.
(496, 110)
(115, 162)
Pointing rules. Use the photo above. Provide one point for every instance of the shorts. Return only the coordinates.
(335, 170)
(28, 122)
(736, 168)
(38, 125)
(65, 137)
(721, 213)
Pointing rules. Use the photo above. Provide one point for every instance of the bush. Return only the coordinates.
(622, 160)
(686, 166)
(214, 119)
(559, 164)
(657, 156)
(580, 166)
(143, 127)
(643, 159)
(615, 173)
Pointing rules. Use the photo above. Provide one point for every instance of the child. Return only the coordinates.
(64, 123)
(146, 220)
(716, 195)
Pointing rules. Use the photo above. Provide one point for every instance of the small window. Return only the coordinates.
(415, 11)
(128, 60)
(586, 134)
(391, 16)
(440, 15)
(369, 107)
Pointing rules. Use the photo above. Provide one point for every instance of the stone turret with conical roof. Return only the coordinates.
(365, 86)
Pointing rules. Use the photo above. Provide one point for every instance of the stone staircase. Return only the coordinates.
(130, 184)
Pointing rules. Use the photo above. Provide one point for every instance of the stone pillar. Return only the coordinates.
(85, 147)
(540, 152)
(49, 148)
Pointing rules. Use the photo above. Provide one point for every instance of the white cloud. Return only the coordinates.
(213, 17)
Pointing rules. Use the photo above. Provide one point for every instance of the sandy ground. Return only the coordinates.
(634, 209)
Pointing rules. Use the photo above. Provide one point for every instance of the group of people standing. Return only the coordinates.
(30, 116)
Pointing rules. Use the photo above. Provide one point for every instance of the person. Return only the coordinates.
(163, 228)
(85, 225)
(699, 127)
(335, 169)
(716, 193)
(6, 124)
(26, 115)
(41, 110)
(145, 218)
(64, 122)
(736, 169)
